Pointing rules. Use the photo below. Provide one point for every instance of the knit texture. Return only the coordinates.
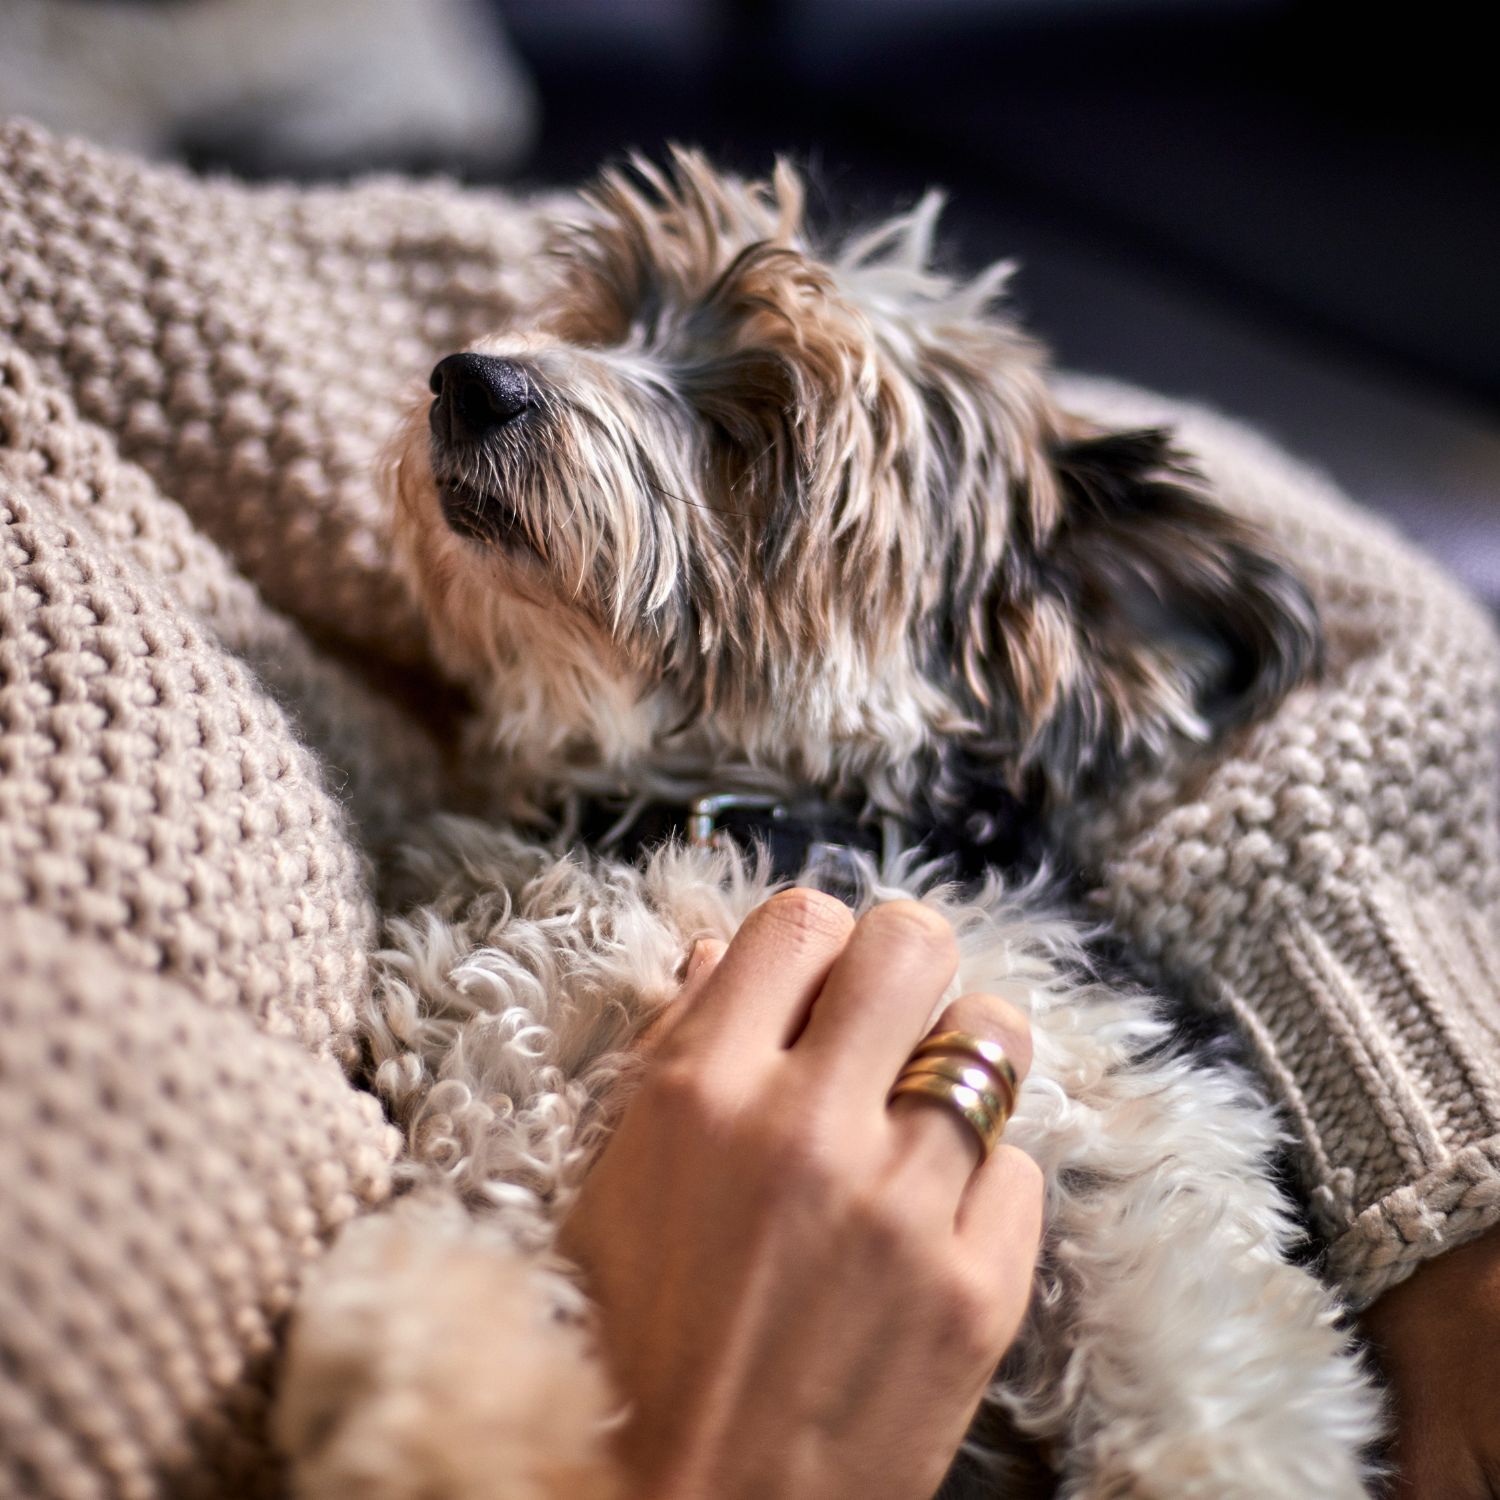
(193, 383)
(248, 348)
(168, 1172)
(204, 731)
(1331, 877)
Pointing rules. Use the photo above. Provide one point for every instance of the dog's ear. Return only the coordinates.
(1132, 608)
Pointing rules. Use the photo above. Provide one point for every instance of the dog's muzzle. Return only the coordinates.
(476, 395)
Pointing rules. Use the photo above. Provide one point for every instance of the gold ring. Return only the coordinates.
(958, 1097)
(957, 1069)
(966, 1044)
(969, 1075)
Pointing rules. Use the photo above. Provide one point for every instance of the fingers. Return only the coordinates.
(938, 1147)
(758, 994)
(877, 998)
(852, 1000)
(843, 1004)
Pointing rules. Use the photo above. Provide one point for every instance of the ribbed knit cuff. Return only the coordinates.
(1444, 1210)
(1378, 1027)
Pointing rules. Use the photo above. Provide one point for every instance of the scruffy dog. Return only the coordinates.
(729, 524)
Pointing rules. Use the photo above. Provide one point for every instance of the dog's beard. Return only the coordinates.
(585, 490)
(482, 514)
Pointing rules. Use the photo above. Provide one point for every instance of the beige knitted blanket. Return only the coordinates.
(211, 717)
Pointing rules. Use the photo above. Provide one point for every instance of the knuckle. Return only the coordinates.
(815, 1165)
(886, 1223)
(687, 1093)
(812, 919)
(895, 1211)
(972, 1319)
(914, 925)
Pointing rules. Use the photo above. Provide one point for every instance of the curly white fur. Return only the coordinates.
(1171, 1351)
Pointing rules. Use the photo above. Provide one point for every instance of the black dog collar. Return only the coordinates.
(809, 839)
(816, 841)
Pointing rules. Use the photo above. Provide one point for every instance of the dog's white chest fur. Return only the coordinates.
(1170, 1351)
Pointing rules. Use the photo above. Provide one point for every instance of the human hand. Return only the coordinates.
(1437, 1335)
(802, 1291)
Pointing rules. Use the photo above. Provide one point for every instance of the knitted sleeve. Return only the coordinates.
(1331, 877)
(167, 1173)
(250, 347)
(185, 916)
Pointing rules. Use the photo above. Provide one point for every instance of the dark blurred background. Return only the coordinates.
(1285, 208)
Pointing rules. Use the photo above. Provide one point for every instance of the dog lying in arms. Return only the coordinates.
(795, 558)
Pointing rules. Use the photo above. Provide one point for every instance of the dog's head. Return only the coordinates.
(816, 512)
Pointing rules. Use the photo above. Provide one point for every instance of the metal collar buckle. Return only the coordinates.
(703, 831)
(828, 863)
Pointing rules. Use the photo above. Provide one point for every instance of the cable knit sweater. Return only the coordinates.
(201, 739)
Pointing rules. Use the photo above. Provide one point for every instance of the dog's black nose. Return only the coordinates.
(475, 395)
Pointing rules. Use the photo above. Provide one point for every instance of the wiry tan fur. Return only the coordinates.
(822, 517)
(793, 521)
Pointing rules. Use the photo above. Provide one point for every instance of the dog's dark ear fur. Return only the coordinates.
(1144, 611)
